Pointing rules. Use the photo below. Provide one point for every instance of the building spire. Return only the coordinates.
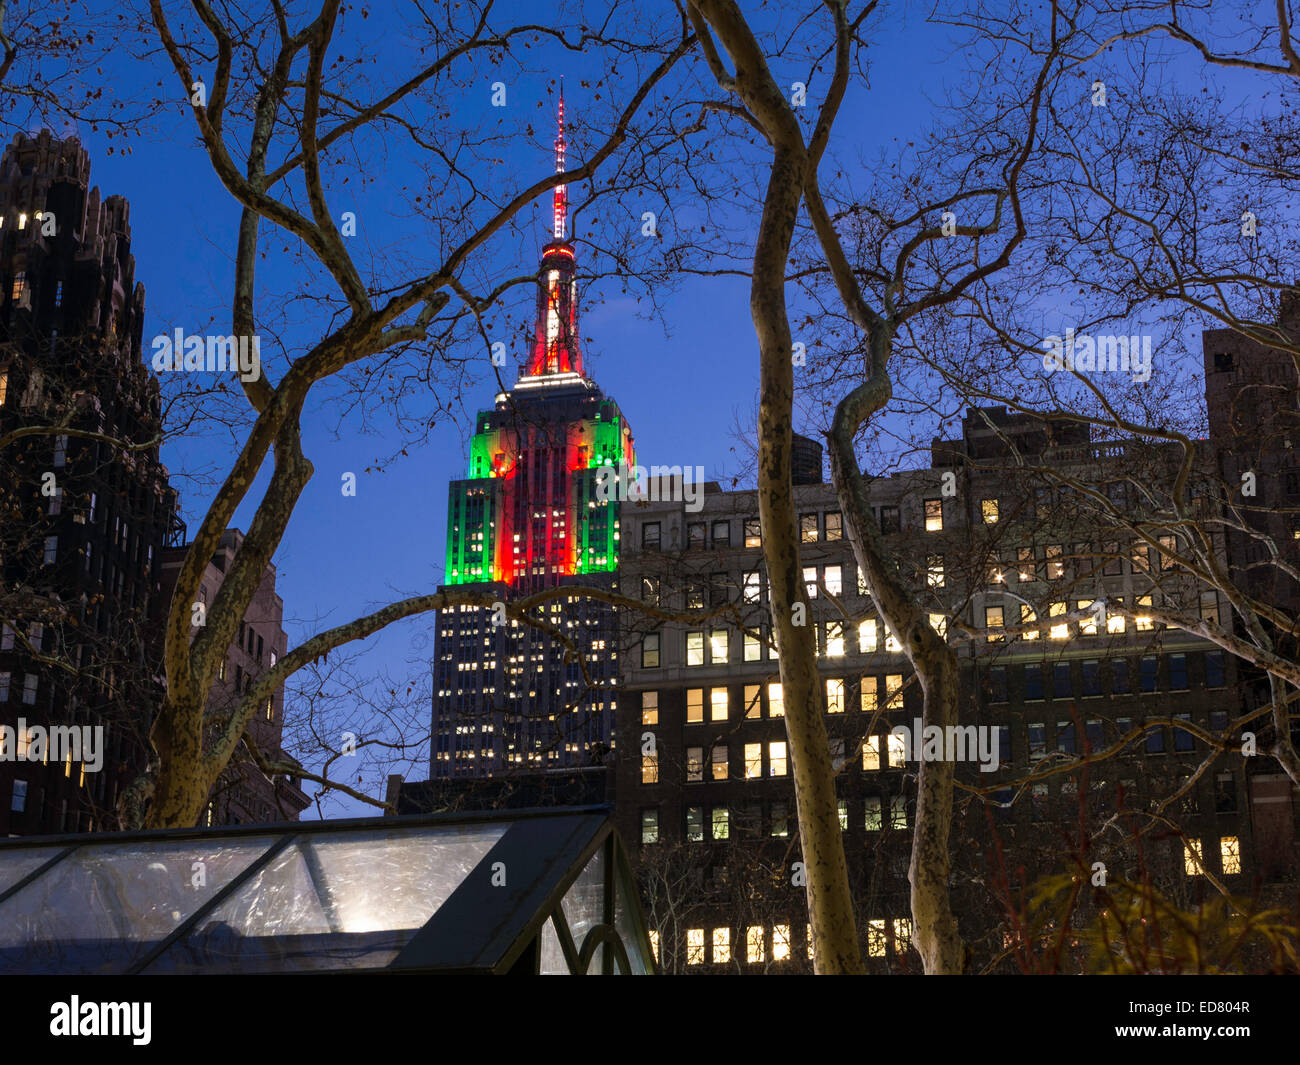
(556, 354)
(561, 194)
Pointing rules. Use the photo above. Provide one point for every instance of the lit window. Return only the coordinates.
(876, 938)
(718, 762)
(1025, 570)
(1230, 853)
(939, 623)
(754, 946)
(1143, 622)
(650, 769)
(989, 511)
(753, 702)
(867, 636)
(753, 587)
(902, 934)
(694, 706)
(694, 824)
(776, 763)
(650, 826)
(721, 822)
(1060, 631)
(721, 946)
(649, 708)
(1193, 857)
(842, 807)
(808, 528)
(933, 515)
(775, 700)
(934, 571)
(1087, 625)
(873, 822)
(654, 946)
(894, 691)
(695, 648)
(810, 580)
(753, 761)
(869, 702)
(993, 622)
(694, 765)
(780, 942)
(834, 580)
(834, 639)
(718, 704)
(20, 280)
(695, 946)
(896, 750)
(718, 645)
(1055, 567)
(871, 754)
(753, 533)
(892, 646)
(1115, 620)
(834, 695)
(753, 647)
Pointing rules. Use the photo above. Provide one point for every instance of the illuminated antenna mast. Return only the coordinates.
(561, 191)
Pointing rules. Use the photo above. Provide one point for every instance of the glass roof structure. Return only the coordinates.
(514, 891)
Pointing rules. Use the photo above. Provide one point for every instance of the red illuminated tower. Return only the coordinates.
(528, 516)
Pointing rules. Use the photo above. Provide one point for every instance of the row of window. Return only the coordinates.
(716, 822)
(716, 947)
(1096, 677)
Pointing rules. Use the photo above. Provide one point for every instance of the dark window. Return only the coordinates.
(889, 522)
(695, 534)
(1114, 561)
(1004, 744)
(1225, 794)
(1092, 732)
(650, 536)
(1119, 679)
(1061, 680)
(1214, 669)
(1003, 811)
(1178, 673)
(1218, 721)
(1091, 677)
(1037, 742)
(1184, 740)
(722, 534)
(998, 684)
(1065, 736)
(1033, 682)
(1223, 362)
(650, 826)
(1147, 675)
(694, 824)
(650, 651)
(1155, 740)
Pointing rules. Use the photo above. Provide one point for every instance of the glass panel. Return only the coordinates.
(104, 907)
(553, 963)
(335, 901)
(16, 863)
(623, 925)
(584, 903)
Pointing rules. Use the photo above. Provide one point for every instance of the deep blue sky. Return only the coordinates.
(681, 393)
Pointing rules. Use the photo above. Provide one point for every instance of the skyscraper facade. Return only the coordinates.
(83, 518)
(527, 518)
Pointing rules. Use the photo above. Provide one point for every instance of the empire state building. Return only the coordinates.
(527, 517)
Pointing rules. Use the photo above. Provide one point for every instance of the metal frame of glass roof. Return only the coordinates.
(492, 892)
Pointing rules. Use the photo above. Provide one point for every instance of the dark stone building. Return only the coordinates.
(83, 521)
(244, 793)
